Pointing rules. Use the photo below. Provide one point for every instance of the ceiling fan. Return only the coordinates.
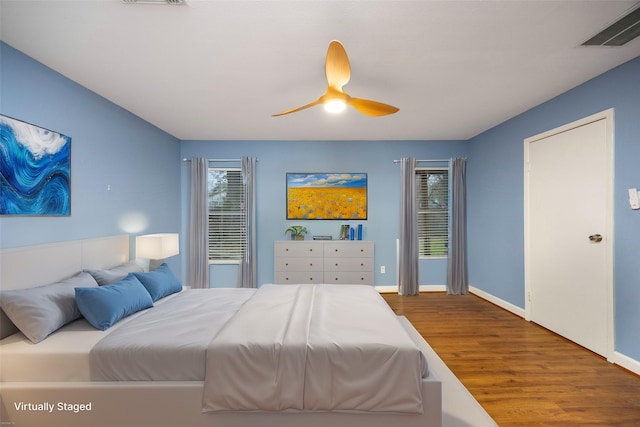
(338, 73)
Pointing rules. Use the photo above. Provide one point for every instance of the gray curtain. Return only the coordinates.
(408, 251)
(457, 276)
(198, 225)
(248, 266)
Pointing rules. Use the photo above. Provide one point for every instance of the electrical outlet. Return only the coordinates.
(382, 269)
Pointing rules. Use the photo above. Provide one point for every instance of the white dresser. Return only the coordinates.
(323, 261)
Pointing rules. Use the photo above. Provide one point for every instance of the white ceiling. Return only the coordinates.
(219, 69)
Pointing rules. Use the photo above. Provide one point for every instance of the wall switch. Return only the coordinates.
(382, 269)
(634, 200)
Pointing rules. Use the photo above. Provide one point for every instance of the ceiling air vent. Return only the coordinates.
(177, 2)
(619, 33)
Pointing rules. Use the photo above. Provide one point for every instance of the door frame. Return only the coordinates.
(608, 116)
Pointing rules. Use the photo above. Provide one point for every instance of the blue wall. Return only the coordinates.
(109, 147)
(496, 201)
(276, 158)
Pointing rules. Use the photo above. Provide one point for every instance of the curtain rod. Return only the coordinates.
(217, 160)
(436, 160)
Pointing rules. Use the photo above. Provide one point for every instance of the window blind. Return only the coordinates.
(432, 189)
(227, 214)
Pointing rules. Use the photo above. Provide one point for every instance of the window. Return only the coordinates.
(227, 216)
(432, 188)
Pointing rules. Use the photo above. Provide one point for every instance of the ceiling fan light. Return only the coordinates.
(335, 106)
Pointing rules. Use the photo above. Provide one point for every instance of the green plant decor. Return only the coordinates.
(297, 232)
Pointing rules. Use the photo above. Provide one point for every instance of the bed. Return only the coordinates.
(250, 358)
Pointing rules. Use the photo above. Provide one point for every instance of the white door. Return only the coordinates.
(568, 231)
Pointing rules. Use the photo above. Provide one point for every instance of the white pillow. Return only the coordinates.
(40, 311)
(106, 277)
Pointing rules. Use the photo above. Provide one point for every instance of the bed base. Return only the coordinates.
(178, 403)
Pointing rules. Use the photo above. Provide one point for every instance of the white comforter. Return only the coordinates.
(169, 341)
(314, 347)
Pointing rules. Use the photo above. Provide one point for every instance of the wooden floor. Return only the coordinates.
(521, 373)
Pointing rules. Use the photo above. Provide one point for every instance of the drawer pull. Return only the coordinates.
(310, 264)
(361, 264)
(336, 264)
(286, 264)
(336, 278)
(361, 250)
(336, 250)
(286, 250)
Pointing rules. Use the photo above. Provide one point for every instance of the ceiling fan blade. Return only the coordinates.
(372, 108)
(338, 73)
(337, 66)
(293, 110)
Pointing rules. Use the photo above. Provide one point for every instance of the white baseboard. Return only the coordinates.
(391, 288)
(626, 362)
(497, 301)
(423, 288)
(433, 288)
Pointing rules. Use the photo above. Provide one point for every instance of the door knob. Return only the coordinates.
(595, 238)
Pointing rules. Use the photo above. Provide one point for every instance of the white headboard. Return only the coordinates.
(29, 266)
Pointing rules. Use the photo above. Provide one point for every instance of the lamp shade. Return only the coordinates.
(157, 246)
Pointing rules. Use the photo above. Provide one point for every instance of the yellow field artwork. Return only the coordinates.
(327, 203)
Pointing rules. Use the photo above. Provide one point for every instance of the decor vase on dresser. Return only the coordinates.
(332, 262)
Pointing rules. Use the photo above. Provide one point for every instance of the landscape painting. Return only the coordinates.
(340, 196)
(35, 170)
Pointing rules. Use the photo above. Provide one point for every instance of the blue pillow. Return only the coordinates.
(104, 305)
(160, 282)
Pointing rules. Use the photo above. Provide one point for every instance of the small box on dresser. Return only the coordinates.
(329, 261)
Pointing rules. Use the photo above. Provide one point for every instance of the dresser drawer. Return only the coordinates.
(297, 277)
(349, 277)
(298, 249)
(298, 264)
(348, 264)
(348, 249)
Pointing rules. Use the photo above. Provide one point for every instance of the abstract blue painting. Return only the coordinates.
(35, 170)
